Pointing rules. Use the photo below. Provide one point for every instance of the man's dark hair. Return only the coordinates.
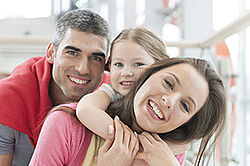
(81, 20)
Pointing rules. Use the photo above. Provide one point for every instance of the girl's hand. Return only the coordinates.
(121, 149)
(155, 151)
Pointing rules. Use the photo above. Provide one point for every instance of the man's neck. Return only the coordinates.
(56, 95)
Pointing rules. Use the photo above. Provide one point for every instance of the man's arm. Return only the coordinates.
(7, 142)
(6, 160)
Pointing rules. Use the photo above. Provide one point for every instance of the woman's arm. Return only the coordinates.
(91, 112)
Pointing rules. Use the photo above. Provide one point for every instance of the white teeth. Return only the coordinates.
(128, 83)
(156, 110)
(78, 81)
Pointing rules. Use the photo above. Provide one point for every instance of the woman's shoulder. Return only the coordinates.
(63, 112)
(68, 127)
(60, 116)
(62, 119)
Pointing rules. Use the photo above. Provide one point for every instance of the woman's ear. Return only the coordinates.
(50, 53)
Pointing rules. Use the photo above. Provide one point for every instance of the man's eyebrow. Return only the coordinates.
(99, 54)
(73, 48)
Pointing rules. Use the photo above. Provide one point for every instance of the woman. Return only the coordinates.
(180, 99)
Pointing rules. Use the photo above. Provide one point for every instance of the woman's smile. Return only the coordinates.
(155, 111)
(165, 101)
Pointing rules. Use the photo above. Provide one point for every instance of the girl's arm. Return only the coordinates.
(121, 149)
(91, 112)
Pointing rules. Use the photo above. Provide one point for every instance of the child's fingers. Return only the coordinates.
(118, 131)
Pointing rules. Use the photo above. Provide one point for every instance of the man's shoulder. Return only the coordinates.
(6, 131)
(106, 78)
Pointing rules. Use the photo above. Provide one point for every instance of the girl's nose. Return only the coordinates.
(127, 72)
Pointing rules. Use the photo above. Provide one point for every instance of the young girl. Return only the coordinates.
(131, 52)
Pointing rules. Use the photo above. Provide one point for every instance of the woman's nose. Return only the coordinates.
(170, 100)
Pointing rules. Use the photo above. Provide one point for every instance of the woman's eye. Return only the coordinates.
(72, 53)
(118, 64)
(185, 106)
(138, 64)
(169, 84)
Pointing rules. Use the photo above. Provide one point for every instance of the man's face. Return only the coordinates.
(78, 64)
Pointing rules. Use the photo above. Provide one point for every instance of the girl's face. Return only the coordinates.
(169, 98)
(128, 61)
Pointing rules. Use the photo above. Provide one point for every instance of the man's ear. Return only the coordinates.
(50, 53)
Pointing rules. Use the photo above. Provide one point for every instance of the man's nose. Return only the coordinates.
(83, 66)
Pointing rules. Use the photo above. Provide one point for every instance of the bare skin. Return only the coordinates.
(6, 160)
(120, 149)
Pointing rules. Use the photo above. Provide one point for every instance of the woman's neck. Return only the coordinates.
(136, 127)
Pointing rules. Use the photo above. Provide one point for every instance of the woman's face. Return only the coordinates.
(169, 98)
(128, 61)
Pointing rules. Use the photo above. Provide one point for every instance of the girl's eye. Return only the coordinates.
(169, 84)
(138, 64)
(118, 64)
(185, 106)
(72, 53)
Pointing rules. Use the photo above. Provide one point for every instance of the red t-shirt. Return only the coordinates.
(24, 97)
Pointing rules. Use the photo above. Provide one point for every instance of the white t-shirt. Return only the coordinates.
(113, 95)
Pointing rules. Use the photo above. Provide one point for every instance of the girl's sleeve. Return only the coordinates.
(53, 146)
(110, 92)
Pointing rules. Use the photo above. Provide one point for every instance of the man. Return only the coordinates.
(73, 66)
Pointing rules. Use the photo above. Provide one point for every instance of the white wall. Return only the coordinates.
(196, 21)
(12, 52)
